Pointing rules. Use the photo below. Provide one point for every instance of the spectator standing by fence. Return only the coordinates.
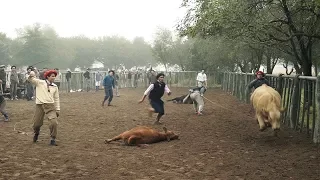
(116, 84)
(57, 80)
(14, 81)
(3, 104)
(3, 77)
(86, 76)
(98, 78)
(68, 78)
(29, 86)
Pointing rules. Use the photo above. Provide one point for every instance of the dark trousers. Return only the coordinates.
(158, 106)
(30, 91)
(108, 94)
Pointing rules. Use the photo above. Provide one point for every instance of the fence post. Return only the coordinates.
(294, 107)
(280, 84)
(246, 92)
(316, 135)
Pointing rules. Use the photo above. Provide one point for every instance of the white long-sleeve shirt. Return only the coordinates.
(202, 77)
(46, 93)
(150, 88)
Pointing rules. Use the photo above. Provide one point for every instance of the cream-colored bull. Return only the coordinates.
(267, 103)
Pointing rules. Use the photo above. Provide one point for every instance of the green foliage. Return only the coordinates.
(41, 45)
(264, 29)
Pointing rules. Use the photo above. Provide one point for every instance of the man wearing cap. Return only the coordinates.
(258, 81)
(47, 103)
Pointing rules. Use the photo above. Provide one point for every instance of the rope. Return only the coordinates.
(217, 104)
(18, 131)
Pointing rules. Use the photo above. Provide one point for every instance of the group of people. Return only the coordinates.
(48, 101)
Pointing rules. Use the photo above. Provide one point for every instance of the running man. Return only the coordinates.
(155, 92)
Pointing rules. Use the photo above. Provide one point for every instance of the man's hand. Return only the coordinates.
(140, 101)
(58, 113)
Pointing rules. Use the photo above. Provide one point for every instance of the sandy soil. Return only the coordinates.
(224, 143)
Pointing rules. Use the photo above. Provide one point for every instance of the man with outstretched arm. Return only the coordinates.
(47, 103)
(155, 92)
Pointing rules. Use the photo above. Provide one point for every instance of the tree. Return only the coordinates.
(292, 27)
(162, 46)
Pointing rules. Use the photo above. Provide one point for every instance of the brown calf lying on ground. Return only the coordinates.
(143, 135)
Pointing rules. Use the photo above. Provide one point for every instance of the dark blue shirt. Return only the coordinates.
(108, 82)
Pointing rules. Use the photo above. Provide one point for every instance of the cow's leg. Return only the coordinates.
(135, 141)
(113, 139)
(261, 122)
(275, 121)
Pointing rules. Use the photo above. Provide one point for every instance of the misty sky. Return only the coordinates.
(92, 18)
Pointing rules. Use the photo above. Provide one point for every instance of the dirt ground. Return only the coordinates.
(224, 143)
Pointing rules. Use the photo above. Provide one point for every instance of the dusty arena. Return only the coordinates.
(224, 143)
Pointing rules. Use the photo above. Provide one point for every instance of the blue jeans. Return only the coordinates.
(108, 94)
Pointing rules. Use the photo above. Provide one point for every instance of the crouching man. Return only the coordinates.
(196, 97)
(47, 103)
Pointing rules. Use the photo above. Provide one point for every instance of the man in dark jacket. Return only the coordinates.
(156, 91)
(68, 78)
(258, 81)
(86, 76)
(3, 104)
(108, 84)
(3, 77)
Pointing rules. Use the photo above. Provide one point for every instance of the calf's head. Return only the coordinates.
(170, 135)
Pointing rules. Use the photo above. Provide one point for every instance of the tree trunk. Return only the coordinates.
(269, 64)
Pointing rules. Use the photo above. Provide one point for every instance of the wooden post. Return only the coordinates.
(294, 106)
(246, 92)
(280, 84)
(316, 135)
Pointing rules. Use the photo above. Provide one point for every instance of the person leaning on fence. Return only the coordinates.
(47, 103)
(156, 91)
(3, 104)
(197, 99)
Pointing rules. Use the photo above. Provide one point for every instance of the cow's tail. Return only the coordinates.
(171, 99)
